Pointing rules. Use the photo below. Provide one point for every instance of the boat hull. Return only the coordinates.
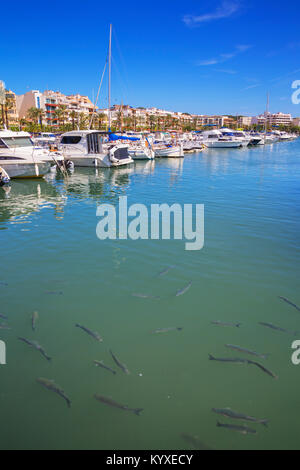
(222, 145)
(172, 152)
(26, 170)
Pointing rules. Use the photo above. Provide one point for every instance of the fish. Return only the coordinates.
(2, 283)
(93, 334)
(50, 292)
(277, 328)
(290, 303)
(166, 330)
(34, 319)
(36, 346)
(194, 442)
(51, 385)
(220, 323)
(233, 415)
(3, 316)
(145, 296)
(100, 364)
(241, 429)
(165, 271)
(267, 371)
(229, 359)
(247, 351)
(110, 402)
(4, 327)
(184, 289)
(119, 364)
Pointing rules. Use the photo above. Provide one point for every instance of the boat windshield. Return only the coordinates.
(14, 142)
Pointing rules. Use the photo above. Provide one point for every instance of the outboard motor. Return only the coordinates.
(4, 178)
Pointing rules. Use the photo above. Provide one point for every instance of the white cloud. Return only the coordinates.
(224, 57)
(225, 10)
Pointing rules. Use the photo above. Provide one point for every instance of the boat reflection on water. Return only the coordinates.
(25, 197)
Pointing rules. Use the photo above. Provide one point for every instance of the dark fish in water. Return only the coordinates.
(241, 429)
(4, 327)
(50, 385)
(229, 359)
(184, 290)
(3, 316)
(100, 364)
(166, 330)
(50, 292)
(108, 401)
(246, 351)
(194, 442)
(34, 319)
(233, 415)
(165, 271)
(36, 346)
(290, 303)
(119, 364)
(277, 328)
(2, 283)
(263, 369)
(145, 296)
(220, 323)
(93, 334)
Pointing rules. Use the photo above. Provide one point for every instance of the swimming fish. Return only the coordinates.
(165, 271)
(50, 385)
(100, 364)
(119, 364)
(241, 429)
(240, 416)
(277, 328)
(145, 296)
(3, 316)
(267, 371)
(184, 290)
(36, 346)
(194, 442)
(34, 319)
(220, 323)
(290, 303)
(246, 351)
(166, 330)
(229, 359)
(110, 402)
(93, 334)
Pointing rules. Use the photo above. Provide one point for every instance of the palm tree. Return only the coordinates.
(73, 116)
(36, 114)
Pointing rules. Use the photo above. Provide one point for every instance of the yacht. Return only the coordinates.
(20, 159)
(168, 150)
(141, 151)
(215, 139)
(238, 135)
(88, 148)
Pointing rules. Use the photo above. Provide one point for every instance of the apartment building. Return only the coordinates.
(49, 101)
(296, 122)
(244, 121)
(273, 120)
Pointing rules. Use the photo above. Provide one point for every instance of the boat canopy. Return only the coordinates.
(113, 136)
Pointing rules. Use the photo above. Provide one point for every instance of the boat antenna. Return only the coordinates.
(109, 79)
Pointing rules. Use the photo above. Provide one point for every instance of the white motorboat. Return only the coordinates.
(215, 139)
(240, 136)
(168, 150)
(93, 149)
(20, 159)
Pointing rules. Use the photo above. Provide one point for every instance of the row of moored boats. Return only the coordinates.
(22, 156)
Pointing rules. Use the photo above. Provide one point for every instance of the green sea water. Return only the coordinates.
(53, 263)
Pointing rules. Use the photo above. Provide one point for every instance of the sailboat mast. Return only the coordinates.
(267, 113)
(109, 78)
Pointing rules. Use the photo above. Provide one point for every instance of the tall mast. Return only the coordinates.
(109, 78)
(267, 112)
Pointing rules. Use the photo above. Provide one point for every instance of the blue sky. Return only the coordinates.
(205, 57)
